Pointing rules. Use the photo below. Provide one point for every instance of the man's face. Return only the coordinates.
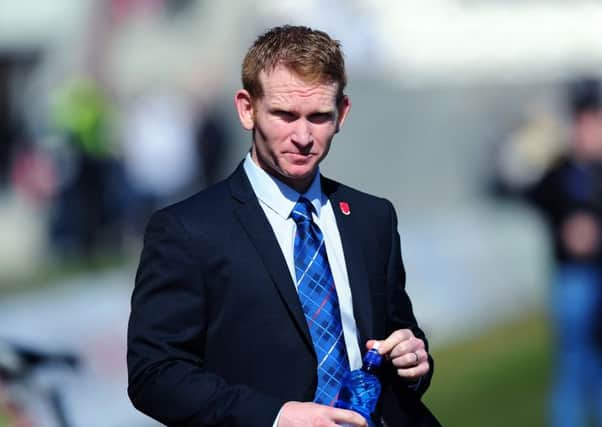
(588, 135)
(293, 123)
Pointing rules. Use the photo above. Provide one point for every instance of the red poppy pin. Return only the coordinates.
(345, 208)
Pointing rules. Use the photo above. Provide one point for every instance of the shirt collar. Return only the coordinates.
(277, 195)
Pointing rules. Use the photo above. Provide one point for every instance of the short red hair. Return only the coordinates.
(311, 54)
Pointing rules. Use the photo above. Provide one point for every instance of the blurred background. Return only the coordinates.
(110, 109)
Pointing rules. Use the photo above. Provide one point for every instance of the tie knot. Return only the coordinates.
(302, 211)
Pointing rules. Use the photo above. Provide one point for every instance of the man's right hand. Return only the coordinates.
(307, 414)
(580, 234)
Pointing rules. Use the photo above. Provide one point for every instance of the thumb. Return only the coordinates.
(372, 343)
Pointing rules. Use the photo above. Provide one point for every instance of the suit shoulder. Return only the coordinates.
(203, 206)
(355, 195)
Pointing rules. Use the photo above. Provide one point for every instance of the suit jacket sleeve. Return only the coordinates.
(166, 334)
(400, 315)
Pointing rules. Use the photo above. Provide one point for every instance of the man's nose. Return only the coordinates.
(302, 134)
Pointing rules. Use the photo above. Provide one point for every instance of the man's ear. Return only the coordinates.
(343, 109)
(244, 106)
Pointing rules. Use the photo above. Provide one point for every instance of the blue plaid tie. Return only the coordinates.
(318, 296)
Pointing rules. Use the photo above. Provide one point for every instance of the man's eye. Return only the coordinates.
(285, 115)
(320, 118)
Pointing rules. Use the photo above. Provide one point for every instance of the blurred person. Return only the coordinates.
(87, 212)
(33, 173)
(253, 298)
(12, 129)
(159, 153)
(211, 138)
(8, 136)
(528, 153)
(569, 196)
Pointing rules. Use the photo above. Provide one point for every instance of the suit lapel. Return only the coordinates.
(253, 219)
(350, 231)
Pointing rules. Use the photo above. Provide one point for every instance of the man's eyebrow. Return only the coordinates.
(281, 110)
(277, 107)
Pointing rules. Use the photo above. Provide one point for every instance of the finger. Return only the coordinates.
(407, 360)
(413, 345)
(346, 416)
(415, 371)
(404, 347)
(392, 340)
(410, 345)
(421, 356)
(410, 359)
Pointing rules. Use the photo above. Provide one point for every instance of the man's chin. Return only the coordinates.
(298, 177)
(301, 174)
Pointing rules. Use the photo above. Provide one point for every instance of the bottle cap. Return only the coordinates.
(373, 357)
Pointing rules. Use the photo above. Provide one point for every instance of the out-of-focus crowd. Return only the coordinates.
(100, 172)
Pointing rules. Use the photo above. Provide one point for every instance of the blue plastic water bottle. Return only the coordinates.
(361, 388)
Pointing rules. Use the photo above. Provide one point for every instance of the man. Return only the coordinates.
(255, 297)
(569, 196)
